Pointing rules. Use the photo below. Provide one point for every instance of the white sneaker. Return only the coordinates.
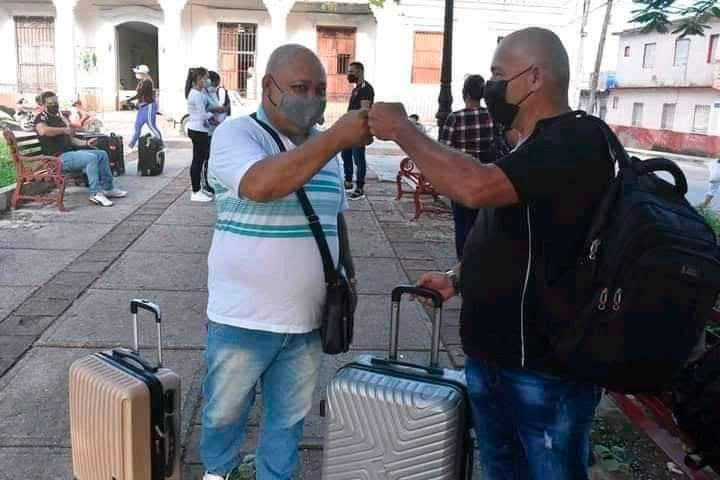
(115, 193)
(209, 194)
(210, 476)
(200, 197)
(100, 199)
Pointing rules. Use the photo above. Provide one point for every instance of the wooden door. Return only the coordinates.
(336, 49)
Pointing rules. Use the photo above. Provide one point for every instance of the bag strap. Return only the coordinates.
(313, 219)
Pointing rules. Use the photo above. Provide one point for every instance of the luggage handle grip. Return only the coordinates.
(133, 356)
(142, 304)
(437, 299)
(397, 363)
(424, 292)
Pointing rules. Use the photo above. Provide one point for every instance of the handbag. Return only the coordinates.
(336, 327)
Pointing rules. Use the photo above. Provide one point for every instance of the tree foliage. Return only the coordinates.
(676, 16)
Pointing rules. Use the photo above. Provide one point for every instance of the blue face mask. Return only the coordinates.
(302, 112)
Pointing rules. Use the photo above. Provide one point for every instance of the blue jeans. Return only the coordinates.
(287, 367)
(358, 155)
(530, 425)
(94, 163)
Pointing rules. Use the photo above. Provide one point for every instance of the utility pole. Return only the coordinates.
(598, 58)
(581, 47)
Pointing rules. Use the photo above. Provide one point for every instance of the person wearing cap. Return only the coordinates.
(142, 73)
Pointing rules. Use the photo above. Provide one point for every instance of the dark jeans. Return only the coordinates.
(201, 153)
(530, 425)
(358, 156)
(464, 220)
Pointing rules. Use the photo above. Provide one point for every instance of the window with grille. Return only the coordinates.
(35, 41)
(668, 116)
(649, 55)
(682, 51)
(616, 100)
(343, 63)
(500, 39)
(427, 57)
(701, 119)
(627, 51)
(237, 56)
(637, 114)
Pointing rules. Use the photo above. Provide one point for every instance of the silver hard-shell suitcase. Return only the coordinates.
(388, 419)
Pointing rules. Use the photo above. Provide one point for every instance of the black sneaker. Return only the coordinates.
(349, 186)
(357, 195)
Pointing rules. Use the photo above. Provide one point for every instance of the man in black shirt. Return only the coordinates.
(56, 140)
(362, 96)
(532, 420)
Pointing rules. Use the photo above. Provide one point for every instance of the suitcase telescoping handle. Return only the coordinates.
(138, 303)
(437, 301)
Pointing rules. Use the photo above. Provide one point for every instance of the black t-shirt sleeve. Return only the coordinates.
(563, 163)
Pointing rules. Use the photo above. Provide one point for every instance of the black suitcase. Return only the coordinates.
(151, 155)
(113, 145)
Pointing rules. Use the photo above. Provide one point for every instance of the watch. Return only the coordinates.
(455, 280)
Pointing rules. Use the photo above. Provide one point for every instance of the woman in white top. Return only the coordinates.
(201, 119)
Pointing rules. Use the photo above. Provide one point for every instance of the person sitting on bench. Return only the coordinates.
(56, 140)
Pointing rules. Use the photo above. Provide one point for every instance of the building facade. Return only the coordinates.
(667, 94)
(87, 48)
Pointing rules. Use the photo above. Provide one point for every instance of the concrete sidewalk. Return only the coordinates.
(66, 280)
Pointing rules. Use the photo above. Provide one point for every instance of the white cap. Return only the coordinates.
(142, 69)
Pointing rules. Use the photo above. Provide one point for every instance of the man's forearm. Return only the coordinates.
(52, 131)
(453, 173)
(77, 142)
(280, 175)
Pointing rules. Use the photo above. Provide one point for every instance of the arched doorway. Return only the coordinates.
(137, 44)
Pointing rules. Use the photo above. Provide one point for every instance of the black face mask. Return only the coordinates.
(53, 109)
(352, 78)
(501, 111)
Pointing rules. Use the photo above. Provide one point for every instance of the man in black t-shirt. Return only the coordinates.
(531, 419)
(56, 140)
(362, 96)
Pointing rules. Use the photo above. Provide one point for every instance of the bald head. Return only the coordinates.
(541, 47)
(290, 57)
(296, 74)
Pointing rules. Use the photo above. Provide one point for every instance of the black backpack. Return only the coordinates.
(630, 312)
(696, 397)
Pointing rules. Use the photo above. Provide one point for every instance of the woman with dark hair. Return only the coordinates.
(147, 111)
(201, 119)
(469, 130)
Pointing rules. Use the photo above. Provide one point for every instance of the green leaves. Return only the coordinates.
(654, 15)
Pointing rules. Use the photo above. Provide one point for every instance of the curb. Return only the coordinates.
(6, 194)
(671, 156)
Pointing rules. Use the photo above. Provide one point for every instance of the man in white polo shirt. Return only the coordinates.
(266, 283)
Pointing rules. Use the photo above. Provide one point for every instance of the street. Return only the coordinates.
(386, 167)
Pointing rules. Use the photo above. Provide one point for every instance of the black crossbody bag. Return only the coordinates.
(336, 328)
